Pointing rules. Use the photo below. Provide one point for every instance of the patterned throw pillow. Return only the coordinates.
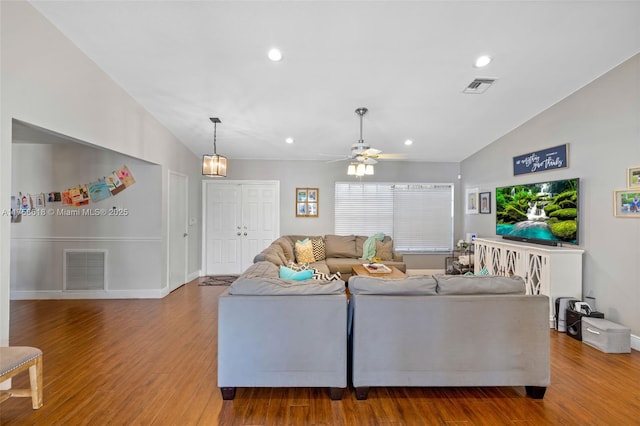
(304, 251)
(384, 250)
(319, 250)
(317, 275)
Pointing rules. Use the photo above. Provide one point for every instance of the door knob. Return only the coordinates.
(245, 234)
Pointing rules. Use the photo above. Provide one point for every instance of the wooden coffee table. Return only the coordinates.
(394, 274)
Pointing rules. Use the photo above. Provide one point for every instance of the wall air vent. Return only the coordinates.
(84, 269)
(479, 85)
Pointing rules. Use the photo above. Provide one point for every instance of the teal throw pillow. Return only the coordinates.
(290, 274)
(483, 271)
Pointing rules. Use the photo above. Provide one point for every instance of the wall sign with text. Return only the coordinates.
(542, 161)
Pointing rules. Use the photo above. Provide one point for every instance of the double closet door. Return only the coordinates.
(240, 220)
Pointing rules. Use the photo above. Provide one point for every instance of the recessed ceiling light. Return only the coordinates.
(289, 140)
(408, 142)
(275, 55)
(482, 61)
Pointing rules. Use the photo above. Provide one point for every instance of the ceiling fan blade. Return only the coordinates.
(338, 159)
(369, 160)
(331, 155)
(372, 152)
(392, 156)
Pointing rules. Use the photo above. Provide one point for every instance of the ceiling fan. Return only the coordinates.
(362, 153)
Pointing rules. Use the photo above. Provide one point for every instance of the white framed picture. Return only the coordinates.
(471, 201)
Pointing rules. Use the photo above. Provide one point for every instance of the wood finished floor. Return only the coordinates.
(153, 362)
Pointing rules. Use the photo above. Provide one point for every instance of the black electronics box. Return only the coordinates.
(574, 322)
(562, 305)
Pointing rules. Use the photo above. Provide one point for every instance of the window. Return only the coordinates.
(419, 216)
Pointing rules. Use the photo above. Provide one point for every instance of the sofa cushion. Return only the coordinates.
(487, 284)
(304, 251)
(291, 274)
(414, 285)
(342, 265)
(360, 239)
(340, 246)
(277, 287)
(287, 248)
(262, 269)
(273, 254)
(384, 249)
(319, 250)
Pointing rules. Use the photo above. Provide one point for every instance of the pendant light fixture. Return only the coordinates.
(214, 165)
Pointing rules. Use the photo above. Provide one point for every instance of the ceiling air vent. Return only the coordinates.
(479, 85)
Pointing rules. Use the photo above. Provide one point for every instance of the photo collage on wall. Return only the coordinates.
(77, 196)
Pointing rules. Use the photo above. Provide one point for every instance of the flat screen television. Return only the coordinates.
(543, 213)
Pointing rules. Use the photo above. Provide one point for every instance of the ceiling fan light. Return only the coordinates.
(360, 169)
(368, 170)
(351, 170)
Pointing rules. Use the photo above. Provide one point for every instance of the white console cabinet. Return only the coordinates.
(553, 271)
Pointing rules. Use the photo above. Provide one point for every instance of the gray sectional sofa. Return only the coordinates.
(278, 333)
(449, 330)
(341, 253)
(441, 330)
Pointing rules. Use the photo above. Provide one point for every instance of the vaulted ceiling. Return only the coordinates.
(408, 62)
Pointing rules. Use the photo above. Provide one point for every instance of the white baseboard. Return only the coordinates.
(635, 342)
(93, 294)
(192, 276)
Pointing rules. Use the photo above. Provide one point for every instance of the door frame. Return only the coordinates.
(205, 183)
(186, 228)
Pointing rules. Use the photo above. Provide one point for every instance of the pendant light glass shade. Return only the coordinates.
(368, 170)
(351, 170)
(214, 165)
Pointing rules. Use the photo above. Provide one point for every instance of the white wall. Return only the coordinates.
(132, 239)
(48, 82)
(601, 124)
(324, 175)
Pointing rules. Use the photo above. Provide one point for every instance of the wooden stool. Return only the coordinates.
(16, 359)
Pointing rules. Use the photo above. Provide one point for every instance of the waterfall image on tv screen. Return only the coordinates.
(545, 212)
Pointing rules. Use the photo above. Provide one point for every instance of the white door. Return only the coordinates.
(178, 226)
(241, 219)
(258, 221)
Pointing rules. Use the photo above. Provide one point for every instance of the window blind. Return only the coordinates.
(419, 216)
(423, 217)
(363, 208)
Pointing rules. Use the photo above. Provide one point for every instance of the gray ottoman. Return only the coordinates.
(609, 337)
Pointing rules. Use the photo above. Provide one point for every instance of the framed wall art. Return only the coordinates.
(307, 202)
(633, 177)
(471, 201)
(485, 202)
(541, 161)
(626, 203)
